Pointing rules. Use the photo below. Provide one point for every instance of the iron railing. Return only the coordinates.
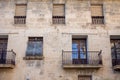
(91, 58)
(7, 57)
(58, 19)
(97, 19)
(19, 19)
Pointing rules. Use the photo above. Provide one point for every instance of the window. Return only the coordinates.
(79, 51)
(97, 14)
(115, 51)
(20, 14)
(84, 77)
(58, 14)
(3, 48)
(35, 46)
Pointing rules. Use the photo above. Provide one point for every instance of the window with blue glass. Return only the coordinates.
(79, 54)
(35, 46)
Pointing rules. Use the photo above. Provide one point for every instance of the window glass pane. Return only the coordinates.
(30, 48)
(38, 48)
(83, 49)
(75, 55)
(74, 47)
(82, 54)
(74, 51)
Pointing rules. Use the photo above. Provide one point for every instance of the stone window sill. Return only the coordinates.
(33, 58)
(98, 24)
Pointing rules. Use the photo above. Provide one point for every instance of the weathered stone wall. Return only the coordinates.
(58, 37)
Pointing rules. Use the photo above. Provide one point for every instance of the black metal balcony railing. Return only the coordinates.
(97, 19)
(19, 19)
(7, 57)
(58, 19)
(92, 58)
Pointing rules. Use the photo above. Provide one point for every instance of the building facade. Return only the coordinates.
(59, 40)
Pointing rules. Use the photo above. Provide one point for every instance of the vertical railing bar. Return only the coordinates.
(62, 57)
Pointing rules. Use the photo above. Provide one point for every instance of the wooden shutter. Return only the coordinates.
(96, 10)
(20, 10)
(58, 10)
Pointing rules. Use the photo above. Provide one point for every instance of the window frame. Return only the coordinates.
(114, 55)
(63, 16)
(18, 19)
(3, 48)
(34, 57)
(80, 59)
(98, 17)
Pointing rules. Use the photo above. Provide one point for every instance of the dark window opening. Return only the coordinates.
(115, 51)
(3, 49)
